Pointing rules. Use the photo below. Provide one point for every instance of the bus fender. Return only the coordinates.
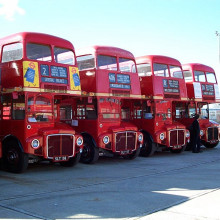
(11, 137)
(89, 136)
(147, 135)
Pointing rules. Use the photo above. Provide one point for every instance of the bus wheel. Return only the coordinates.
(90, 152)
(148, 148)
(133, 155)
(208, 145)
(71, 162)
(14, 160)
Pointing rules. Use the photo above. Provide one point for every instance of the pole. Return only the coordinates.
(218, 35)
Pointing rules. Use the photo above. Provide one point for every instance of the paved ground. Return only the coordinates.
(165, 186)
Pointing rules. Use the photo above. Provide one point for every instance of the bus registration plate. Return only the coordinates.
(125, 152)
(60, 158)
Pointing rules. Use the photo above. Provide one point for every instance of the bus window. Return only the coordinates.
(12, 52)
(39, 109)
(6, 107)
(18, 112)
(86, 62)
(144, 69)
(125, 65)
(204, 110)
(188, 76)
(160, 70)
(91, 111)
(181, 110)
(109, 109)
(66, 112)
(192, 110)
(199, 76)
(210, 77)
(38, 52)
(107, 62)
(176, 72)
(64, 56)
(125, 113)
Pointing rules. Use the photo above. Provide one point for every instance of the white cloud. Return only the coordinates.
(8, 9)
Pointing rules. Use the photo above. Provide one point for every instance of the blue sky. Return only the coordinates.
(183, 29)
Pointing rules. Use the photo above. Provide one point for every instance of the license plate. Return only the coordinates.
(124, 152)
(60, 158)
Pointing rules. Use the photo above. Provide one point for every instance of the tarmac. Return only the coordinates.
(164, 186)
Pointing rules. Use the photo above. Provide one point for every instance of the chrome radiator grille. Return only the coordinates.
(125, 141)
(60, 145)
(212, 133)
(177, 137)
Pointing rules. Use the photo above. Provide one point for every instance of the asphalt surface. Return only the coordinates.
(164, 186)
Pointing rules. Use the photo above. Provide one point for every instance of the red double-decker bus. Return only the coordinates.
(162, 82)
(202, 89)
(37, 71)
(108, 75)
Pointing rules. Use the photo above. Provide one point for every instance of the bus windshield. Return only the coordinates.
(109, 109)
(39, 108)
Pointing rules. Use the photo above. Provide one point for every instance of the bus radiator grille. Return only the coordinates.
(177, 137)
(212, 133)
(125, 141)
(60, 145)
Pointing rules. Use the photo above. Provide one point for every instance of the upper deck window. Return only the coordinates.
(85, 62)
(144, 69)
(199, 76)
(188, 76)
(161, 70)
(64, 56)
(107, 62)
(210, 77)
(12, 52)
(176, 72)
(38, 52)
(126, 65)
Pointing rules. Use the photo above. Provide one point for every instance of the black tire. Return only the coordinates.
(14, 159)
(72, 161)
(208, 145)
(178, 151)
(133, 155)
(148, 148)
(90, 152)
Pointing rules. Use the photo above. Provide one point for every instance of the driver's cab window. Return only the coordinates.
(204, 110)
(137, 110)
(39, 108)
(192, 110)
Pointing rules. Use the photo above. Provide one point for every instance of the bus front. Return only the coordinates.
(203, 90)
(162, 83)
(35, 69)
(108, 77)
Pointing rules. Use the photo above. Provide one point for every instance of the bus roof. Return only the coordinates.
(105, 50)
(198, 67)
(157, 59)
(34, 37)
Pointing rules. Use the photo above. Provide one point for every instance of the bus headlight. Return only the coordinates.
(187, 134)
(35, 143)
(201, 133)
(106, 140)
(140, 137)
(79, 141)
(162, 136)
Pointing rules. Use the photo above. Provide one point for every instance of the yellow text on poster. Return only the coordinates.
(30, 74)
(74, 78)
